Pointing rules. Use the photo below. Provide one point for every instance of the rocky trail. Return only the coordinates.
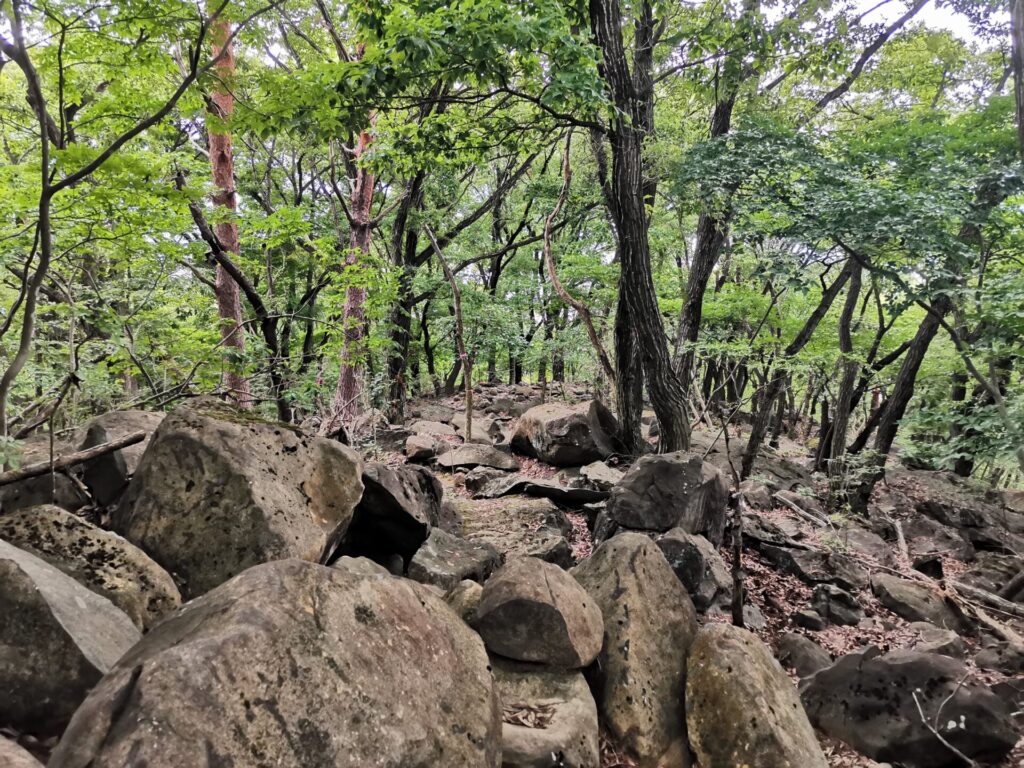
(235, 592)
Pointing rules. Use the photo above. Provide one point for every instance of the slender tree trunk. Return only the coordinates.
(353, 350)
(777, 376)
(844, 400)
(222, 163)
(896, 405)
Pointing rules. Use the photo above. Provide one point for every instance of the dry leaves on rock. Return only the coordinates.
(538, 716)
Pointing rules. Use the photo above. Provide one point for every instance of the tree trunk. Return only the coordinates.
(844, 400)
(222, 164)
(353, 349)
(896, 405)
(632, 94)
(777, 377)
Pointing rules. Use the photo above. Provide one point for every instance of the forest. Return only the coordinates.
(782, 239)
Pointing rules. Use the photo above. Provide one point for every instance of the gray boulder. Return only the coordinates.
(517, 526)
(57, 639)
(13, 756)
(742, 708)
(58, 488)
(671, 490)
(868, 701)
(477, 455)
(649, 623)
(294, 664)
(564, 435)
(836, 605)
(915, 601)
(698, 565)
(219, 491)
(444, 560)
(107, 476)
(394, 516)
(531, 610)
(100, 560)
(802, 655)
(550, 718)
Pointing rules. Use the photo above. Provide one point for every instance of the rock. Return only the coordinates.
(360, 566)
(394, 516)
(867, 700)
(389, 438)
(58, 489)
(100, 560)
(293, 664)
(563, 702)
(219, 491)
(564, 435)
(57, 639)
(478, 478)
(991, 571)
(1002, 657)
(476, 455)
(802, 655)
(600, 476)
(741, 707)
(13, 756)
(757, 495)
(808, 618)
(671, 490)
(531, 610)
(107, 476)
(484, 427)
(420, 447)
(915, 601)
(560, 494)
(425, 427)
(836, 606)
(816, 566)
(698, 565)
(861, 541)
(445, 560)
(518, 527)
(434, 412)
(649, 622)
(937, 640)
(464, 598)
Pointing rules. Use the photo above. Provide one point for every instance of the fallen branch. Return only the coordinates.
(70, 459)
(990, 599)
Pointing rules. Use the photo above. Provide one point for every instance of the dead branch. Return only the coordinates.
(70, 459)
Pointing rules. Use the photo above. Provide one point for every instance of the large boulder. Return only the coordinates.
(886, 707)
(395, 514)
(550, 719)
(444, 560)
(294, 664)
(107, 476)
(100, 560)
(915, 601)
(802, 655)
(531, 610)
(649, 623)
(564, 435)
(477, 455)
(671, 490)
(219, 491)
(742, 708)
(13, 756)
(56, 640)
(698, 565)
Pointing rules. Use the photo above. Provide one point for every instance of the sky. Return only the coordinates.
(933, 16)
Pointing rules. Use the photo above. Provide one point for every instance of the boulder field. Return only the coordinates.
(236, 592)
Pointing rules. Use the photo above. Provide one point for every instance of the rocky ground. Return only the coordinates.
(236, 592)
